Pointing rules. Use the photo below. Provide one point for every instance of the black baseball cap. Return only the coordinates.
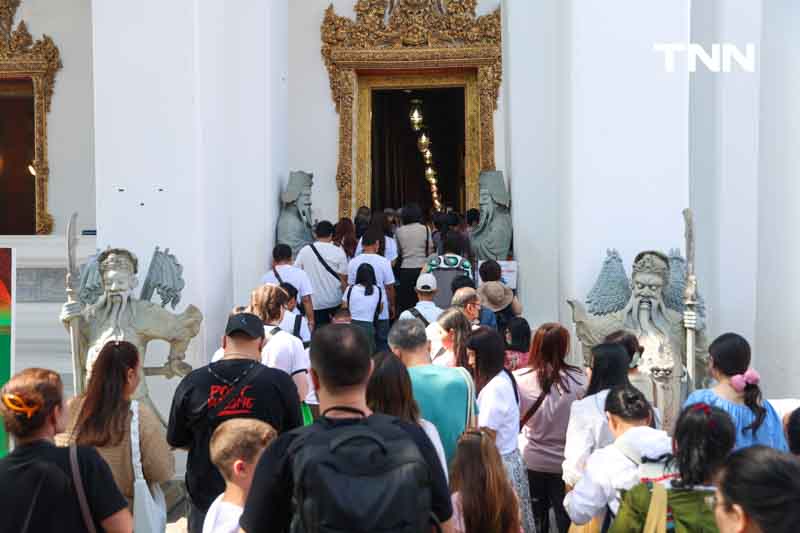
(246, 323)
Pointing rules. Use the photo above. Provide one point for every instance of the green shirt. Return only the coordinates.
(442, 396)
(688, 510)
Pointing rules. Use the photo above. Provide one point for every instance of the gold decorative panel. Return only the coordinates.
(411, 44)
(23, 58)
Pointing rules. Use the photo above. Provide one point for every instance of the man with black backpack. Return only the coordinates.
(237, 385)
(352, 470)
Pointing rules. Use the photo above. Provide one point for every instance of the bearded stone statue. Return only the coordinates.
(294, 222)
(106, 311)
(491, 239)
(651, 305)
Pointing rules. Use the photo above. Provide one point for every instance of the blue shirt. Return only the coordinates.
(442, 395)
(487, 318)
(769, 433)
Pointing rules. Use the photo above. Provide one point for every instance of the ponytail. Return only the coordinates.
(730, 355)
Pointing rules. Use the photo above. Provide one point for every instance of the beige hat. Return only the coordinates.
(495, 295)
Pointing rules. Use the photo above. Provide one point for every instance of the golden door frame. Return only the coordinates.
(368, 83)
(23, 58)
(408, 44)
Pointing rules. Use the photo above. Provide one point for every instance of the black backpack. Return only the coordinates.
(361, 477)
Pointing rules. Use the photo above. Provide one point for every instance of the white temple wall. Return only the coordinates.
(189, 102)
(314, 123)
(778, 315)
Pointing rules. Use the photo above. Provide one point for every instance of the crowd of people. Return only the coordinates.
(382, 381)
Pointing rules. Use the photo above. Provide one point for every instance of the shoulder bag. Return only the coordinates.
(149, 504)
(88, 521)
(324, 263)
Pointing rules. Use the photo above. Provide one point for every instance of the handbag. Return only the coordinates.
(657, 512)
(149, 504)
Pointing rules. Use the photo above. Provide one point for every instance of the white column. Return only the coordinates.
(628, 177)
(778, 315)
(184, 95)
(532, 90)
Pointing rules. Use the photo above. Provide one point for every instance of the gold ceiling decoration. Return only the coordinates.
(23, 58)
(410, 35)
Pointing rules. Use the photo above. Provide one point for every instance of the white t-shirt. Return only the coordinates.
(362, 307)
(287, 325)
(290, 274)
(383, 274)
(429, 310)
(499, 410)
(222, 517)
(390, 253)
(284, 351)
(327, 289)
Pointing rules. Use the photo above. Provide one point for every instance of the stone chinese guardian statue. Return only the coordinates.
(492, 237)
(651, 305)
(106, 310)
(294, 222)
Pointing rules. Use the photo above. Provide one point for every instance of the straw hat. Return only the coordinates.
(495, 295)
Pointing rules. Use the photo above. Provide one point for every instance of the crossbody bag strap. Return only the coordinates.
(414, 311)
(277, 276)
(532, 411)
(427, 240)
(298, 321)
(470, 395)
(78, 482)
(136, 445)
(656, 521)
(324, 263)
(378, 307)
(349, 292)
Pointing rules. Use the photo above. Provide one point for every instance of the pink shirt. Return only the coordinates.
(546, 432)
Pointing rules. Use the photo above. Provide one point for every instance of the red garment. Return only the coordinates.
(515, 359)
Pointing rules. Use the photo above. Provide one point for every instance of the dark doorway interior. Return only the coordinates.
(17, 185)
(398, 169)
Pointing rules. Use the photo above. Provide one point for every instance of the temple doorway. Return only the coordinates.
(420, 160)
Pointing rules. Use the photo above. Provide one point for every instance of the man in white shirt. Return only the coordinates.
(283, 271)
(384, 277)
(326, 266)
(425, 310)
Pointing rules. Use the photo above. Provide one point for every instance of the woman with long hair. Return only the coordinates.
(387, 247)
(638, 379)
(738, 394)
(587, 428)
(389, 392)
(704, 436)
(101, 417)
(414, 244)
(483, 498)
(548, 387)
(518, 343)
(455, 329)
(361, 220)
(36, 478)
(615, 467)
(498, 409)
(365, 299)
(758, 491)
(344, 237)
(282, 350)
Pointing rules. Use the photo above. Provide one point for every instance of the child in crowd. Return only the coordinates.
(293, 322)
(704, 436)
(518, 343)
(483, 498)
(235, 448)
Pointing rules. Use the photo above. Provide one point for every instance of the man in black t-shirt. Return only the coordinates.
(238, 385)
(340, 369)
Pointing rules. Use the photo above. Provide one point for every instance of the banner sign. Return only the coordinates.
(7, 287)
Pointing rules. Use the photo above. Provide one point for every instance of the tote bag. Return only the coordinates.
(149, 504)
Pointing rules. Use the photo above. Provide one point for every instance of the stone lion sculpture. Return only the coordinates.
(492, 238)
(651, 305)
(294, 222)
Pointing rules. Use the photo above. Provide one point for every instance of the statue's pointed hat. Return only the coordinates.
(298, 180)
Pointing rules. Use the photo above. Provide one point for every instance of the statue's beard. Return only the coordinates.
(646, 316)
(111, 300)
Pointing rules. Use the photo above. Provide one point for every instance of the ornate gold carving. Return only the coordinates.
(23, 58)
(410, 35)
